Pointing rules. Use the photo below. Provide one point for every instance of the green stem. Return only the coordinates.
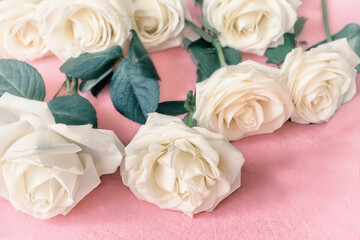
(67, 84)
(204, 35)
(326, 21)
(74, 87)
(190, 120)
(220, 53)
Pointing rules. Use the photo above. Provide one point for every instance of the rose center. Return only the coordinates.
(27, 34)
(39, 196)
(147, 25)
(182, 172)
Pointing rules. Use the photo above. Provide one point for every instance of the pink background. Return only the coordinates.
(301, 182)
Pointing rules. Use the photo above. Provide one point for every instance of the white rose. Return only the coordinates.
(243, 100)
(20, 37)
(180, 168)
(73, 27)
(47, 168)
(160, 24)
(320, 80)
(251, 26)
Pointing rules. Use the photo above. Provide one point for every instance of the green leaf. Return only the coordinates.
(138, 55)
(232, 56)
(352, 33)
(186, 42)
(172, 108)
(134, 87)
(205, 56)
(97, 89)
(134, 91)
(21, 79)
(277, 55)
(88, 85)
(73, 110)
(91, 66)
(299, 26)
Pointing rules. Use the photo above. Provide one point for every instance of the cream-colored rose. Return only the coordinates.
(243, 100)
(73, 27)
(47, 168)
(251, 26)
(20, 37)
(180, 168)
(160, 24)
(320, 80)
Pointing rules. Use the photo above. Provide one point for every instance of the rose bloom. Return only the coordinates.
(73, 27)
(20, 37)
(47, 168)
(243, 100)
(160, 24)
(251, 26)
(180, 168)
(320, 80)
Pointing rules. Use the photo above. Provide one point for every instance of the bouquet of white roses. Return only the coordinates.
(52, 154)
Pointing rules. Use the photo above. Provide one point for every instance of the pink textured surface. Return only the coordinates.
(301, 182)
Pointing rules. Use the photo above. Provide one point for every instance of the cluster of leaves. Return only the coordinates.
(134, 86)
(20, 79)
(205, 51)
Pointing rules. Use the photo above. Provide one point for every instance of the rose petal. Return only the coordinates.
(14, 108)
(88, 181)
(103, 146)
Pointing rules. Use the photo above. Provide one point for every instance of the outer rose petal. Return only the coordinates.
(88, 182)
(14, 108)
(103, 146)
(36, 147)
(11, 132)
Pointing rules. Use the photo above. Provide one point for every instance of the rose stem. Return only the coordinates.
(326, 21)
(190, 120)
(217, 45)
(74, 89)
